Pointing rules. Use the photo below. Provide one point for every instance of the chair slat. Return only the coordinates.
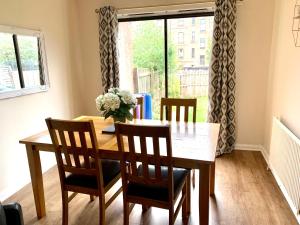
(144, 157)
(157, 158)
(64, 146)
(73, 145)
(132, 154)
(169, 112)
(84, 146)
(177, 113)
(186, 114)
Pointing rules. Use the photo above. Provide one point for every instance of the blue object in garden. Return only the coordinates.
(147, 106)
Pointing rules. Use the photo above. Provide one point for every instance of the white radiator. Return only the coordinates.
(284, 162)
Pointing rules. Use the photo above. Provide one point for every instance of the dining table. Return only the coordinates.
(193, 145)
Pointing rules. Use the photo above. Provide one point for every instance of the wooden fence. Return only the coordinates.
(193, 82)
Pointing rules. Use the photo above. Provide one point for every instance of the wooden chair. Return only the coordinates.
(169, 103)
(81, 170)
(140, 104)
(155, 182)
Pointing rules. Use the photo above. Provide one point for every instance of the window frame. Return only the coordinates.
(165, 19)
(181, 53)
(193, 39)
(202, 26)
(28, 90)
(181, 38)
(202, 43)
(202, 57)
(193, 53)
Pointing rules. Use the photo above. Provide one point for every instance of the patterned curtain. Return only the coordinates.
(108, 33)
(222, 75)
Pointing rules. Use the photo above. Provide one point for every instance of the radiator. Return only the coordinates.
(284, 162)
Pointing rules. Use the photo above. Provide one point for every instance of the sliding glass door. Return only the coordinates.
(167, 57)
(142, 68)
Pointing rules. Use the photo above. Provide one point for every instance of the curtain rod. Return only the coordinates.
(164, 6)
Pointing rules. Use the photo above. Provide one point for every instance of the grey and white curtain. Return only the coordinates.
(222, 75)
(108, 33)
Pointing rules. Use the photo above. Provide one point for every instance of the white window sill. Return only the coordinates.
(22, 92)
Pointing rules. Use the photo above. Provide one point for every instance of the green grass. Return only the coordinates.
(202, 108)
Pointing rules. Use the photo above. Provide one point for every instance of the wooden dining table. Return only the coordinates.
(193, 145)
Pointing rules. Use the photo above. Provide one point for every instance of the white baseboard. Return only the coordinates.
(246, 147)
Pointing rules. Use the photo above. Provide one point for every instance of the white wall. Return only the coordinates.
(254, 30)
(23, 116)
(284, 77)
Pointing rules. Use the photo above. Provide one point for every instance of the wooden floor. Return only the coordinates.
(246, 193)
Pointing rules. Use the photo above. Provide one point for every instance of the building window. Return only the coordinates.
(193, 37)
(23, 68)
(202, 60)
(180, 22)
(202, 43)
(193, 53)
(202, 25)
(180, 53)
(193, 21)
(180, 38)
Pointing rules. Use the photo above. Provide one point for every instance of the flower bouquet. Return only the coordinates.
(116, 103)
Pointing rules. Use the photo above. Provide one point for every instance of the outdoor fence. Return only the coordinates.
(193, 81)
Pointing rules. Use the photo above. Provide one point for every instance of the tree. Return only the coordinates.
(28, 52)
(148, 47)
(148, 52)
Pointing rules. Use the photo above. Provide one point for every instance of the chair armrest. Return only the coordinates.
(13, 213)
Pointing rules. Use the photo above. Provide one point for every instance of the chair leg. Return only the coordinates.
(65, 213)
(194, 178)
(171, 216)
(188, 195)
(101, 210)
(92, 198)
(184, 204)
(126, 213)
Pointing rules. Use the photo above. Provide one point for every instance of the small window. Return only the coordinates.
(202, 60)
(180, 53)
(193, 53)
(23, 68)
(193, 21)
(202, 43)
(202, 25)
(193, 36)
(180, 38)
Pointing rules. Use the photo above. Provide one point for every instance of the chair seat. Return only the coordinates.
(110, 169)
(155, 192)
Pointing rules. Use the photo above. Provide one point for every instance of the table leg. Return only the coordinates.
(204, 194)
(35, 168)
(212, 178)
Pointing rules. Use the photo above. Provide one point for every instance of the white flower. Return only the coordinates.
(111, 102)
(99, 102)
(127, 97)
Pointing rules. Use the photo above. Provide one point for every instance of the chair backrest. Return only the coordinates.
(140, 106)
(77, 142)
(168, 104)
(149, 154)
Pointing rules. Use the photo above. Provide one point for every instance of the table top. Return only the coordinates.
(192, 143)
